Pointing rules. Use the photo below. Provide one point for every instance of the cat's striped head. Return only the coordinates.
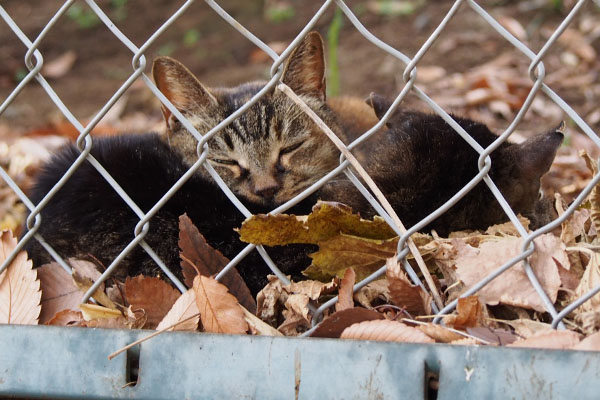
(274, 150)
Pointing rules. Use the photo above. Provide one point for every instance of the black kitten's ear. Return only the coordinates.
(304, 71)
(535, 156)
(379, 103)
(181, 87)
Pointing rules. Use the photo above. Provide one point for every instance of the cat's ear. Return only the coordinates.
(304, 71)
(535, 155)
(379, 103)
(181, 87)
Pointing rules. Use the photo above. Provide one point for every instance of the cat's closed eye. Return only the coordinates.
(289, 149)
(224, 161)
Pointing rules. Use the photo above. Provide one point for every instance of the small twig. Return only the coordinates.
(130, 345)
(378, 194)
(458, 282)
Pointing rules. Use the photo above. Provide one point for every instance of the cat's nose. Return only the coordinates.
(266, 187)
(266, 192)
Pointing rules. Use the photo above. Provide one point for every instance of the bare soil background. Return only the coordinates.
(471, 70)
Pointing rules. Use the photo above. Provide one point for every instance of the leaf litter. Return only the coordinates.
(350, 248)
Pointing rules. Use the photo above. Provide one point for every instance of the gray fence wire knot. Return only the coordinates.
(34, 62)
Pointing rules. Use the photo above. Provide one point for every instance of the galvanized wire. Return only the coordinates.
(34, 61)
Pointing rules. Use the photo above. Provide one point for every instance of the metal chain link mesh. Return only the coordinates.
(34, 62)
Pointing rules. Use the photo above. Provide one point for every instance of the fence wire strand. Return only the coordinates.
(34, 62)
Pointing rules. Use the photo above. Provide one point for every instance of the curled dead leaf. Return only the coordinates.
(439, 333)
(469, 313)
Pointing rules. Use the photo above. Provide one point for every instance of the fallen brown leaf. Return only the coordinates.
(219, 309)
(469, 313)
(85, 283)
(20, 292)
(385, 330)
(209, 262)
(513, 287)
(439, 333)
(311, 289)
(60, 66)
(184, 307)
(375, 291)
(67, 318)
(258, 327)
(270, 300)
(589, 280)
(527, 327)
(153, 295)
(346, 291)
(58, 291)
(549, 340)
(334, 325)
(590, 343)
(403, 293)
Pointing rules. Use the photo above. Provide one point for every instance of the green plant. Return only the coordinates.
(191, 37)
(280, 12)
(84, 18)
(333, 37)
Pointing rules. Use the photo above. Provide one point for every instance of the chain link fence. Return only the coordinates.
(34, 62)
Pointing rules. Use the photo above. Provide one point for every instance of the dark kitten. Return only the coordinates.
(420, 162)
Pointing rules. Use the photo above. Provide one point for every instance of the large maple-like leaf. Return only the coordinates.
(219, 309)
(153, 295)
(327, 219)
(345, 239)
(185, 307)
(385, 330)
(20, 292)
(341, 252)
(209, 262)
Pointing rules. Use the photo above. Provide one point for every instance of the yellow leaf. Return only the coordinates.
(93, 311)
(328, 219)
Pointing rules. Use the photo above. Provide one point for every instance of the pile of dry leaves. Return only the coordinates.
(508, 311)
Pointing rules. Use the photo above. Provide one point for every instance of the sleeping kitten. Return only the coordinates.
(420, 162)
(266, 156)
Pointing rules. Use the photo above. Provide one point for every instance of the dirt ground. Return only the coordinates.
(470, 70)
(221, 57)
